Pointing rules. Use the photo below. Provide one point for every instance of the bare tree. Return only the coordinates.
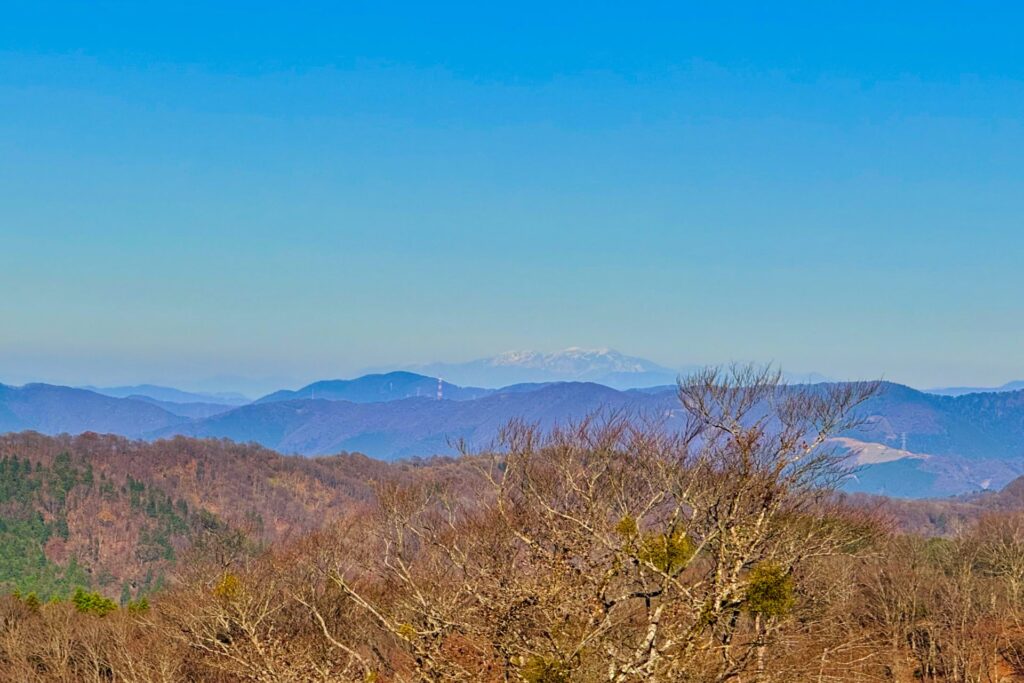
(611, 549)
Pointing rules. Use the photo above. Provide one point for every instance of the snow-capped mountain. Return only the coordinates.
(604, 366)
(576, 361)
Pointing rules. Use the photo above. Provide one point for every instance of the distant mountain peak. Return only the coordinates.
(574, 360)
(602, 365)
(378, 387)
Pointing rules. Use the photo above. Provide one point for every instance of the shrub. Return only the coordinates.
(538, 669)
(92, 603)
(667, 552)
(770, 591)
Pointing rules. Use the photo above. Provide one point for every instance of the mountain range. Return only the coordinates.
(911, 444)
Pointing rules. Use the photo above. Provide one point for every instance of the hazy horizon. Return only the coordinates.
(256, 385)
(299, 193)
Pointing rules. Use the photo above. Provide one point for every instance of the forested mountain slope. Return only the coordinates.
(105, 512)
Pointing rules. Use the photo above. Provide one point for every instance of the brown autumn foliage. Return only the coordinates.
(273, 497)
(604, 551)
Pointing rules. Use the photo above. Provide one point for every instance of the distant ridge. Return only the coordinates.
(52, 409)
(170, 394)
(192, 410)
(409, 426)
(961, 391)
(375, 388)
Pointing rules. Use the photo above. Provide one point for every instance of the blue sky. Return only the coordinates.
(288, 191)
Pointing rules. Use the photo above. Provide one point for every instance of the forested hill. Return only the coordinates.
(113, 515)
(104, 520)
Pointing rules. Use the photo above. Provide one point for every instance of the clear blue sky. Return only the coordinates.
(295, 190)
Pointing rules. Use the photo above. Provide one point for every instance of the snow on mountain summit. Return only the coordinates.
(601, 365)
(529, 359)
(575, 361)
